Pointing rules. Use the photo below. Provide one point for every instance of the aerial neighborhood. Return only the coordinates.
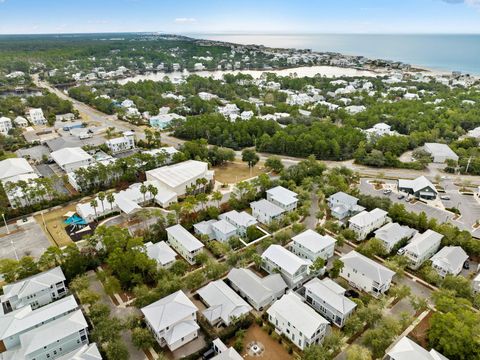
(158, 201)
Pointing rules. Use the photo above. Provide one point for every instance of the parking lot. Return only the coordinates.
(467, 204)
(25, 240)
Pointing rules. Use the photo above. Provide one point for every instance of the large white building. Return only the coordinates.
(422, 247)
(172, 320)
(302, 325)
(187, 245)
(122, 143)
(16, 169)
(311, 245)
(36, 291)
(366, 274)
(224, 305)
(367, 221)
(36, 117)
(259, 292)
(71, 159)
(293, 269)
(328, 298)
(5, 125)
(179, 177)
(440, 152)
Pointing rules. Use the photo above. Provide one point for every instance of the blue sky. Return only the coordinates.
(223, 16)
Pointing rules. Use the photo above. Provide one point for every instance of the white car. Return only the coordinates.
(445, 197)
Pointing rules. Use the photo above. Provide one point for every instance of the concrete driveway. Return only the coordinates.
(28, 239)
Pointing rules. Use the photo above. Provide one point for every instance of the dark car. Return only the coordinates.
(466, 265)
(400, 197)
(352, 294)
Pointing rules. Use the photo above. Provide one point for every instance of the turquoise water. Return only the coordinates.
(442, 52)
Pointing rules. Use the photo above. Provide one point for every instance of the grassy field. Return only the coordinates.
(237, 171)
(56, 229)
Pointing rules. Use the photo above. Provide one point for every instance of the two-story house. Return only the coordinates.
(449, 260)
(311, 245)
(367, 221)
(241, 220)
(366, 274)
(172, 320)
(422, 247)
(343, 205)
(327, 297)
(5, 125)
(265, 211)
(122, 143)
(293, 269)
(283, 197)
(36, 291)
(294, 319)
(187, 245)
(392, 234)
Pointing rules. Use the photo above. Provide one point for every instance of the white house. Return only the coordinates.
(5, 125)
(37, 290)
(259, 292)
(311, 245)
(187, 245)
(16, 169)
(327, 297)
(20, 122)
(366, 274)
(406, 349)
(282, 197)
(379, 130)
(449, 260)
(123, 143)
(266, 211)
(297, 321)
(86, 352)
(293, 269)
(343, 205)
(224, 305)
(422, 247)
(440, 152)
(476, 284)
(72, 158)
(178, 177)
(20, 321)
(367, 221)
(204, 228)
(161, 253)
(223, 230)
(392, 234)
(242, 221)
(223, 352)
(36, 117)
(172, 320)
(127, 103)
(161, 121)
(51, 340)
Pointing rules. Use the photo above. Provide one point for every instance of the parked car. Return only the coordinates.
(387, 191)
(400, 251)
(400, 197)
(445, 197)
(466, 265)
(352, 294)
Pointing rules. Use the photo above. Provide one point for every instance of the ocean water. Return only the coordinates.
(440, 52)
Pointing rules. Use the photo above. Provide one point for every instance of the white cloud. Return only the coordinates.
(472, 3)
(185, 20)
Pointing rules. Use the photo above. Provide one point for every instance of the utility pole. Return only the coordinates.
(468, 164)
(6, 225)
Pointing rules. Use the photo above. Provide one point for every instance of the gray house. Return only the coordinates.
(420, 187)
(343, 205)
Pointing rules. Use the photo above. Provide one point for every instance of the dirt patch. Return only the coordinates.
(420, 332)
(273, 350)
(55, 227)
(237, 171)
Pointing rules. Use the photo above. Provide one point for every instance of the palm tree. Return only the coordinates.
(101, 197)
(217, 197)
(202, 198)
(143, 190)
(94, 204)
(153, 191)
(110, 200)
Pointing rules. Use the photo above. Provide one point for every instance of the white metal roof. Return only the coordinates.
(291, 308)
(33, 284)
(160, 252)
(239, 218)
(450, 258)
(70, 155)
(25, 318)
(181, 173)
(285, 259)
(169, 310)
(283, 195)
(255, 287)
(406, 349)
(392, 233)
(224, 227)
(367, 217)
(189, 242)
(343, 198)
(86, 352)
(367, 267)
(313, 241)
(324, 292)
(223, 302)
(437, 149)
(422, 242)
(267, 207)
(417, 184)
(14, 167)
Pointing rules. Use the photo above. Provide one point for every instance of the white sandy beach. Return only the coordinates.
(309, 71)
